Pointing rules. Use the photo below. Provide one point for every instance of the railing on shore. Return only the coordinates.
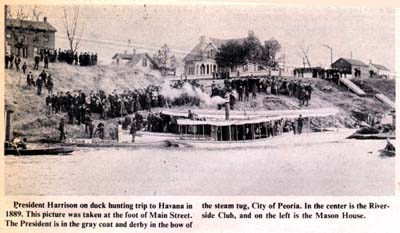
(233, 75)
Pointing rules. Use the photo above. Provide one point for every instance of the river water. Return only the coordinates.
(345, 167)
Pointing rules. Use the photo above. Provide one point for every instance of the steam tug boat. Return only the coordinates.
(214, 129)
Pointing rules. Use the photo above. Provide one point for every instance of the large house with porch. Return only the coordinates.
(25, 38)
(200, 61)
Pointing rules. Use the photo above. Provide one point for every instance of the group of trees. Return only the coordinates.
(233, 53)
(165, 60)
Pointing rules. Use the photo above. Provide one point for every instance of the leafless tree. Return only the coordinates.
(21, 14)
(303, 53)
(73, 27)
(36, 13)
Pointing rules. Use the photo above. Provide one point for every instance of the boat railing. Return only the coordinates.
(196, 137)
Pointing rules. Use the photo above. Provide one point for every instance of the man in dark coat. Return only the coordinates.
(29, 79)
(50, 85)
(46, 62)
(43, 77)
(300, 122)
(7, 60)
(11, 60)
(61, 129)
(37, 60)
(24, 66)
(91, 128)
(39, 85)
(17, 62)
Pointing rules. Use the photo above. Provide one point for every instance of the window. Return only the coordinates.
(35, 50)
(46, 38)
(8, 36)
(144, 62)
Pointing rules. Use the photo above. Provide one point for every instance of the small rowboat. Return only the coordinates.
(42, 151)
(387, 153)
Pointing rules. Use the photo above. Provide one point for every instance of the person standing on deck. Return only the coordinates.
(61, 129)
(133, 129)
(91, 128)
(300, 122)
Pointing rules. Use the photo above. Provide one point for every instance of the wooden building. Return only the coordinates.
(142, 61)
(25, 38)
(200, 61)
(350, 66)
(379, 71)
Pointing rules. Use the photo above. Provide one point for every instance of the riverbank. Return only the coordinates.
(31, 121)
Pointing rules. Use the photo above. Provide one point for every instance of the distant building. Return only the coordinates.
(349, 66)
(142, 61)
(379, 71)
(201, 59)
(25, 38)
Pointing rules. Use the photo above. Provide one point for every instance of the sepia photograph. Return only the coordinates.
(205, 99)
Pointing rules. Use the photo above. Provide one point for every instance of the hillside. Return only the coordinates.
(31, 121)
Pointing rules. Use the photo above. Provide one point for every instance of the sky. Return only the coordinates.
(362, 33)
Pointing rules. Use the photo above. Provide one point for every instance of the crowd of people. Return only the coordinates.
(83, 59)
(44, 80)
(50, 56)
(245, 87)
(67, 56)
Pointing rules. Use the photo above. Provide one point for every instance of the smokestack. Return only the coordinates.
(45, 19)
(227, 111)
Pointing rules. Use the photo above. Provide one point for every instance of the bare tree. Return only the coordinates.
(36, 13)
(21, 14)
(71, 24)
(303, 53)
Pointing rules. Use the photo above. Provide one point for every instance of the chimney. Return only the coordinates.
(202, 39)
(125, 52)
(370, 61)
(251, 33)
(227, 111)
(45, 19)
(133, 51)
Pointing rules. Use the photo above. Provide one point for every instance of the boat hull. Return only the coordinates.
(156, 144)
(281, 140)
(45, 151)
(387, 153)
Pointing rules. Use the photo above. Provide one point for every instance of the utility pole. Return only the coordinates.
(330, 48)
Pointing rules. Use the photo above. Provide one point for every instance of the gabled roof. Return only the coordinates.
(195, 53)
(219, 42)
(124, 56)
(355, 62)
(137, 57)
(30, 25)
(380, 67)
